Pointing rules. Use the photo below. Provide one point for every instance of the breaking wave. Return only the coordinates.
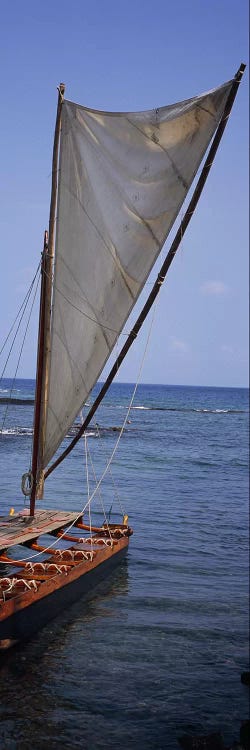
(93, 432)
(187, 409)
(16, 431)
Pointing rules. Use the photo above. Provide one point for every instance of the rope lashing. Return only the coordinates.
(107, 542)
(74, 555)
(118, 533)
(64, 554)
(37, 568)
(160, 280)
(81, 555)
(15, 585)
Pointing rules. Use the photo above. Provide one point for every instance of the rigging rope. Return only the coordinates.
(27, 296)
(80, 514)
(100, 494)
(87, 480)
(116, 493)
(21, 350)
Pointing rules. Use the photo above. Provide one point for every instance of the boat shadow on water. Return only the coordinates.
(93, 604)
(26, 714)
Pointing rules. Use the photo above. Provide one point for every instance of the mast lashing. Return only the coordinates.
(165, 266)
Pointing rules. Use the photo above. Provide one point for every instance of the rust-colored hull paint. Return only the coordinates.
(26, 613)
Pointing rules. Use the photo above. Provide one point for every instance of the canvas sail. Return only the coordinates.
(122, 181)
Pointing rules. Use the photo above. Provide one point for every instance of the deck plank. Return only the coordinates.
(18, 529)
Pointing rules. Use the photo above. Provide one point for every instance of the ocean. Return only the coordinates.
(157, 652)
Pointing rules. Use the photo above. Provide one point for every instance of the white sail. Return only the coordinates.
(122, 181)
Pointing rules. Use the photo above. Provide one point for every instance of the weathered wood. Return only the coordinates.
(39, 372)
(22, 529)
(46, 333)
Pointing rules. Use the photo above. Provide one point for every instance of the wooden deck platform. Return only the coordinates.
(21, 528)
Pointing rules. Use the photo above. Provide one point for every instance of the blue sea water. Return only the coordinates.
(158, 652)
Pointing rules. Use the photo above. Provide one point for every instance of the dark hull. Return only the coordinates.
(23, 623)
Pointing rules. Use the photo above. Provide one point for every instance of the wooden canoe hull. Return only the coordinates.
(22, 616)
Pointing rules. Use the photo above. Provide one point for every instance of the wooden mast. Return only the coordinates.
(44, 336)
(39, 368)
(165, 267)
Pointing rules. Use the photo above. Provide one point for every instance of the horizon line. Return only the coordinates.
(147, 383)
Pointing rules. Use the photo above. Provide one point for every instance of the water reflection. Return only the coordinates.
(29, 709)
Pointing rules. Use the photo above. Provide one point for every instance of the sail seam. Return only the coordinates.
(130, 204)
(157, 143)
(93, 320)
(106, 245)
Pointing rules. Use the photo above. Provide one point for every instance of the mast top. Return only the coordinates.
(61, 90)
(240, 72)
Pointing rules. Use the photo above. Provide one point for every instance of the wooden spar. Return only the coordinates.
(39, 366)
(43, 359)
(167, 262)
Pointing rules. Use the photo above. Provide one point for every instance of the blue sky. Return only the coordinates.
(132, 55)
